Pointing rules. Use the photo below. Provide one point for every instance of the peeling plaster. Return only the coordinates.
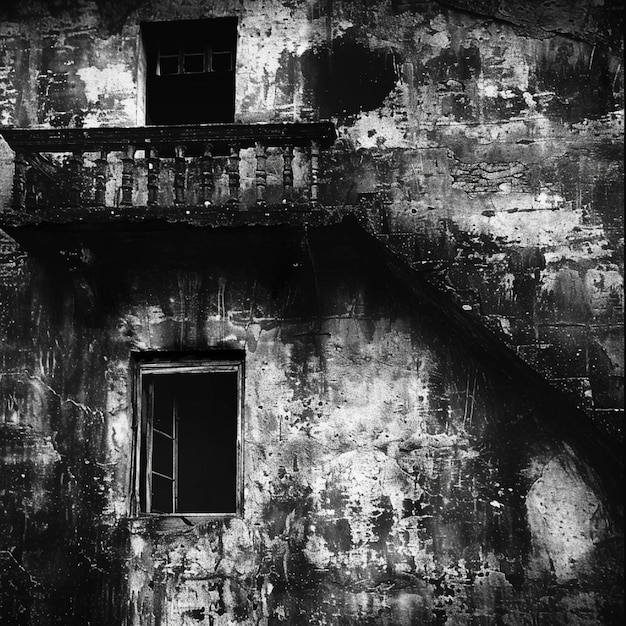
(373, 491)
(564, 530)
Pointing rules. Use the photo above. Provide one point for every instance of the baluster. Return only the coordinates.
(19, 182)
(75, 178)
(287, 172)
(128, 162)
(261, 173)
(206, 180)
(179, 174)
(233, 174)
(101, 176)
(154, 167)
(315, 166)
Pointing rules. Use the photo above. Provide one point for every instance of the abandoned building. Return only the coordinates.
(391, 230)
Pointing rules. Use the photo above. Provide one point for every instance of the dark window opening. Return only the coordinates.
(190, 76)
(189, 453)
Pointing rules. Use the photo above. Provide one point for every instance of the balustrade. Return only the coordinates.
(100, 179)
(207, 184)
(128, 162)
(233, 165)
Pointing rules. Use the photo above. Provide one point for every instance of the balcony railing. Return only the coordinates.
(234, 165)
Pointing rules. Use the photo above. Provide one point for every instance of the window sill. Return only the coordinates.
(178, 522)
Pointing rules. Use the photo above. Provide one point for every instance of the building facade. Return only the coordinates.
(311, 312)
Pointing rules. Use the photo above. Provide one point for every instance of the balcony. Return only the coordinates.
(165, 172)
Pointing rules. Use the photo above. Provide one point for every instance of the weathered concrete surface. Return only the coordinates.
(390, 476)
(382, 486)
(494, 131)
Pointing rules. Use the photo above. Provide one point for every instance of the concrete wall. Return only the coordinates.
(493, 132)
(381, 484)
(390, 477)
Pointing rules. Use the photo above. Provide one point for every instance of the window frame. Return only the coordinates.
(207, 53)
(142, 424)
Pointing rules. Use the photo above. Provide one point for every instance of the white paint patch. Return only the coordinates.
(316, 551)
(115, 80)
(440, 39)
(521, 219)
(561, 509)
(489, 91)
(377, 129)
(529, 100)
(138, 545)
(547, 200)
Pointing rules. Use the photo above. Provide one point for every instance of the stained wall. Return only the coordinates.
(493, 133)
(390, 476)
(381, 484)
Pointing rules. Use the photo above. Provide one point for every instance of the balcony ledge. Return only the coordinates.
(165, 137)
(68, 173)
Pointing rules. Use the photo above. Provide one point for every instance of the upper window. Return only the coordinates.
(192, 59)
(190, 71)
(188, 451)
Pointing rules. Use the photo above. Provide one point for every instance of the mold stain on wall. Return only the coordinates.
(398, 469)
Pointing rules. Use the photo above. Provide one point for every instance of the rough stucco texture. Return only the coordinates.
(496, 143)
(376, 488)
(380, 483)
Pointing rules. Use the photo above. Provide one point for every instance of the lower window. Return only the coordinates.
(188, 455)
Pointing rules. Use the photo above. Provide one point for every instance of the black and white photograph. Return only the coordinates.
(311, 312)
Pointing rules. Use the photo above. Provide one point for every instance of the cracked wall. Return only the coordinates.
(494, 135)
(390, 476)
(476, 122)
